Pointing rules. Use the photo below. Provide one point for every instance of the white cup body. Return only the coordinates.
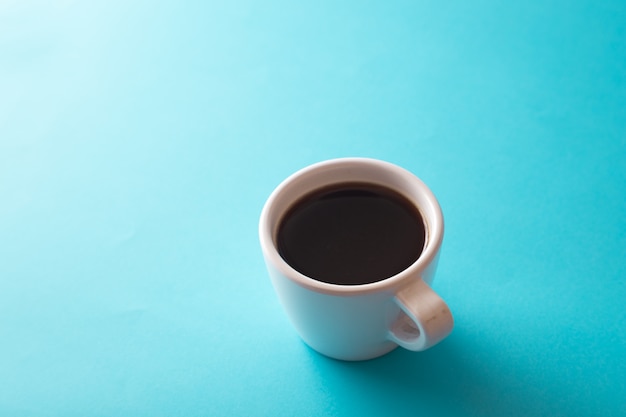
(357, 322)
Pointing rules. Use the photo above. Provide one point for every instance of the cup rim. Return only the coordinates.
(417, 268)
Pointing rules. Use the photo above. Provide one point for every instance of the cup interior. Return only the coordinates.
(349, 170)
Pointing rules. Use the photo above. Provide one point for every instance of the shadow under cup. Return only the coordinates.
(365, 320)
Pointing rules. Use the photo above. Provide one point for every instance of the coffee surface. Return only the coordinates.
(351, 234)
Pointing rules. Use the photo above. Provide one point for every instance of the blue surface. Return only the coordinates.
(138, 142)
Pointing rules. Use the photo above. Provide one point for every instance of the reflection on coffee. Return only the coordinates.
(351, 234)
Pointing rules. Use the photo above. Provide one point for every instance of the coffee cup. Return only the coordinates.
(351, 246)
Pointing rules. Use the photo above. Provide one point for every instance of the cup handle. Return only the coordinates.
(427, 319)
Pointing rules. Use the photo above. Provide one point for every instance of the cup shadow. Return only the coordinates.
(447, 379)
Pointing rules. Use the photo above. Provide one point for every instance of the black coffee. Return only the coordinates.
(351, 233)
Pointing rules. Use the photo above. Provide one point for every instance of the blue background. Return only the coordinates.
(139, 141)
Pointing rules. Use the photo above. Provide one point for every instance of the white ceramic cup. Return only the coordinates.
(358, 322)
